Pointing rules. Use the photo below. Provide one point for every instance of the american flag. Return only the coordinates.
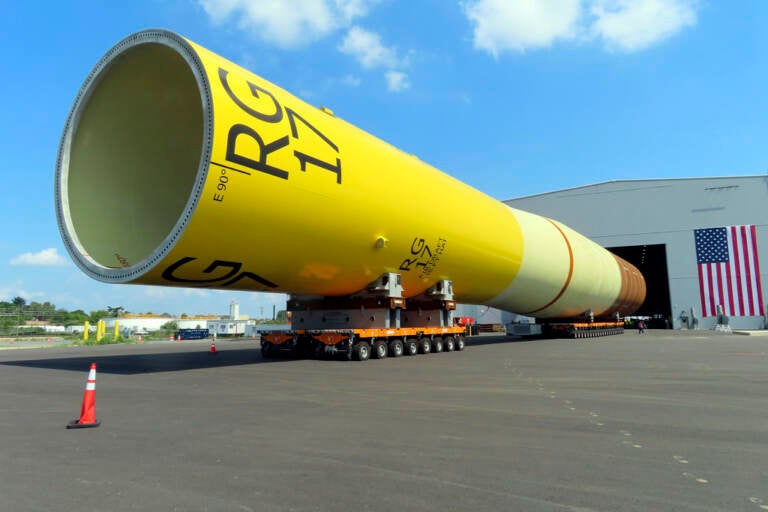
(729, 270)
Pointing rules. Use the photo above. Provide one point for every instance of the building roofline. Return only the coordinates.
(640, 180)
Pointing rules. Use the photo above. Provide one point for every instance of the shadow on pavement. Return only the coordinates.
(150, 363)
(474, 341)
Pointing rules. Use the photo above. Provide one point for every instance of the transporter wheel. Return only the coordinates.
(380, 349)
(361, 351)
(304, 348)
(461, 344)
(411, 348)
(450, 343)
(266, 350)
(396, 348)
(425, 346)
(437, 344)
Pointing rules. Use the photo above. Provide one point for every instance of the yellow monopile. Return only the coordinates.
(229, 181)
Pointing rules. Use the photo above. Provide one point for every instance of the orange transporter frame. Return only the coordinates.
(578, 330)
(362, 344)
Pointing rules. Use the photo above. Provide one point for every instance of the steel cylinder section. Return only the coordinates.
(564, 275)
(633, 288)
(180, 168)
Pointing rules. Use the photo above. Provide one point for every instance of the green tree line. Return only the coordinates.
(18, 311)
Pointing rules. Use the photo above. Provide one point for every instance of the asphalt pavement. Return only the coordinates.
(665, 421)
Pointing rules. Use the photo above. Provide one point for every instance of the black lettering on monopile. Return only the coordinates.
(264, 151)
(420, 251)
(304, 158)
(425, 257)
(406, 264)
(274, 117)
(418, 245)
(251, 275)
(169, 274)
(292, 116)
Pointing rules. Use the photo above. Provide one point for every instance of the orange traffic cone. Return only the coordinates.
(178, 339)
(213, 348)
(170, 337)
(88, 410)
(140, 339)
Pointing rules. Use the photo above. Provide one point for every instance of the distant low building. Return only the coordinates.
(196, 322)
(139, 323)
(229, 327)
(78, 329)
(233, 325)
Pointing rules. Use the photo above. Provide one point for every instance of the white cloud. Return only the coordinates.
(518, 25)
(632, 25)
(162, 292)
(157, 292)
(288, 26)
(625, 25)
(195, 292)
(397, 81)
(366, 47)
(299, 23)
(351, 9)
(351, 80)
(9, 292)
(45, 258)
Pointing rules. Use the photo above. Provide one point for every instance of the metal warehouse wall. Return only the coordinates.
(646, 212)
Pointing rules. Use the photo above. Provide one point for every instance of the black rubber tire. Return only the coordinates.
(449, 344)
(304, 348)
(411, 348)
(396, 347)
(361, 351)
(267, 351)
(425, 346)
(461, 344)
(437, 344)
(380, 349)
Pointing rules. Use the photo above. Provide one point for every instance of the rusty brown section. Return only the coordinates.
(632, 293)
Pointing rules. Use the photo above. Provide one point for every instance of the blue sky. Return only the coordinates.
(513, 97)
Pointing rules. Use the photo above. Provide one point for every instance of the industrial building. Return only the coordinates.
(233, 324)
(701, 243)
(144, 323)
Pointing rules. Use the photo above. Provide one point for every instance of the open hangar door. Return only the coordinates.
(651, 260)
